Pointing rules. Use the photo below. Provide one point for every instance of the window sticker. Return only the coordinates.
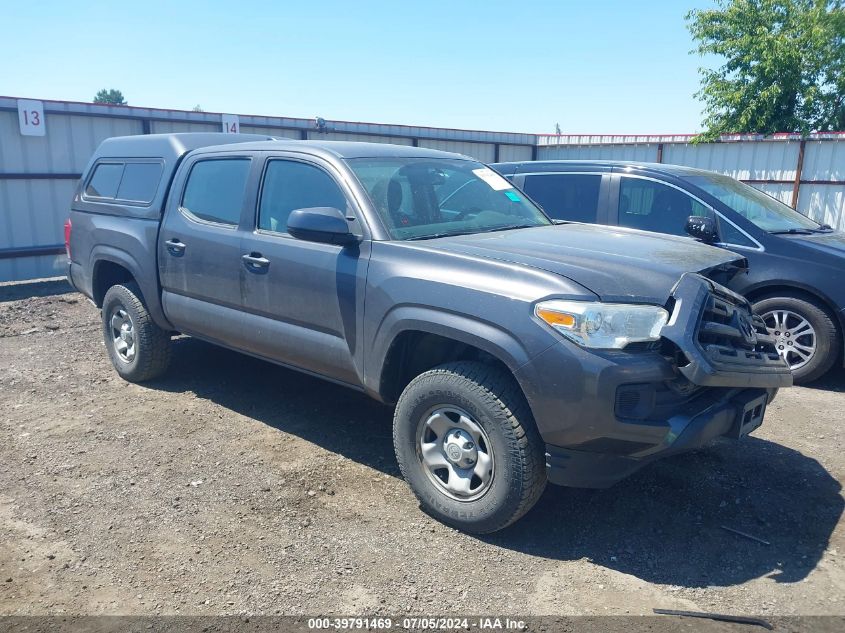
(512, 196)
(496, 182)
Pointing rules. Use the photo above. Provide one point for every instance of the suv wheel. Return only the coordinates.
(138, 348)
(467, 445)
(805, 334)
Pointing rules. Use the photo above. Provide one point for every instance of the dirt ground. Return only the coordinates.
(234, 486)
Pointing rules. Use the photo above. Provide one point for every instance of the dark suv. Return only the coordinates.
(795, 264)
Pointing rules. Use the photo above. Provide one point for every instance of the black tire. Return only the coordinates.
(828, 337)
(493, 399)
(151, 355)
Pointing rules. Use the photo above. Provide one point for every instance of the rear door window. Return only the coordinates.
(572, 197)
(215, 190)
(649, 205)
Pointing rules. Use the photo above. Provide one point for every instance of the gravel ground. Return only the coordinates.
(233, 486)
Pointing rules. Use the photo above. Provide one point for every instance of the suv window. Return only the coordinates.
(653, 206)
(290, 185)
(215, 190)
(566, 196)
(729, 235)
(105, 180)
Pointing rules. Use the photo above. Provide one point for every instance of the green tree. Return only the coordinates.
(112, 96)
(197, 108)
(783, 70)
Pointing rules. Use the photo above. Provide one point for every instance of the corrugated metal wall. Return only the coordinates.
(485, 152)
(38, 173)
(33, 209)
(770, 165)
(643, 152)
(515, 153)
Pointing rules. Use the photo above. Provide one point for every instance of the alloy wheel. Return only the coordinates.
(795, 338)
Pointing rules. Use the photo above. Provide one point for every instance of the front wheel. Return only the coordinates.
(805, 334)
(468, 447)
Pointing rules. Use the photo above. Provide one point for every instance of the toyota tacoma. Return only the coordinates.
(515, 350)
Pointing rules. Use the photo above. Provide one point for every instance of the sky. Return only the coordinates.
(600, 66)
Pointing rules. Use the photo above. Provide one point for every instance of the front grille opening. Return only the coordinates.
(728, 330)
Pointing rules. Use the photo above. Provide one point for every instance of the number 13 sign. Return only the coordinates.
(31, 117)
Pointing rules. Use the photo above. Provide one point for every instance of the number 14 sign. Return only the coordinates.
(231, 124)
(31, 117)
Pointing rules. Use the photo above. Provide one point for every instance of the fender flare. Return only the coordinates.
(485, 336)
(149, 289)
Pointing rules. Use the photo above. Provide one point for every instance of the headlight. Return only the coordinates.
(603, 325)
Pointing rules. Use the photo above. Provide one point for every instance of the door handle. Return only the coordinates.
(175, 247)
(255, 262)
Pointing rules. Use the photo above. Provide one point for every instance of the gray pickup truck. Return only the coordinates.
(514, 349)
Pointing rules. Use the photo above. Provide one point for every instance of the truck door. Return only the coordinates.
(199, 246)
(303, 299)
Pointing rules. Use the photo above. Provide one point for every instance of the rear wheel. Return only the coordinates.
(138, 348)
(468, 447)
(805, 334)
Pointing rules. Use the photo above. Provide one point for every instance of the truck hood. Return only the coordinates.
(617, 264)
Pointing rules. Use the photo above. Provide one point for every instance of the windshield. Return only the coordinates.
(754, 205)
(419, 198)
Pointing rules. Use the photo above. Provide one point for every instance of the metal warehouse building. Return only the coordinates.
(45, 145)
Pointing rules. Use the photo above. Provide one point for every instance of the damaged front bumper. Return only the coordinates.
(605, 414)
(719, 341)
(734, 414)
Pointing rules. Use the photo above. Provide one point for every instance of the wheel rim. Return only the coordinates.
(123, 334)
(795, 338)
(455, 453)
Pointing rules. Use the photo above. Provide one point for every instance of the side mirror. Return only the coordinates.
(702, 228)
(320, 224)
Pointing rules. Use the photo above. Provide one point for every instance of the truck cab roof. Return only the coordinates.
(171, 147)
(341, 149)
(141, 153)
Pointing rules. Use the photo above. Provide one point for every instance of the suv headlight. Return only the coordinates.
(603, 325)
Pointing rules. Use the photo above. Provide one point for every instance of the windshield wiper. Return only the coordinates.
(792, 232)
(433, 236)
(496, 228)
(509, 227)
